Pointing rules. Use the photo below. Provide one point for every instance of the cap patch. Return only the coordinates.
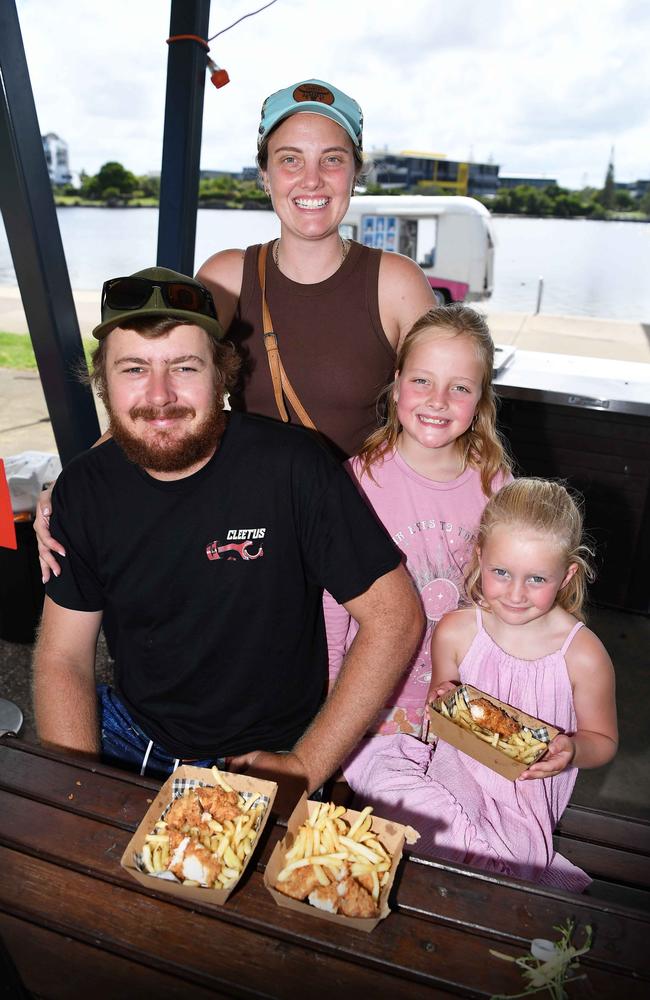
(313, 92)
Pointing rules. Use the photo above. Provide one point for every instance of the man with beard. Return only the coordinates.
(209, 537)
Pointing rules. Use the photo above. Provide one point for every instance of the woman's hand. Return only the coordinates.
(559, 756)
(47, 545)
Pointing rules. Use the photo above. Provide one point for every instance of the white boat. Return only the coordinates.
(451, 238)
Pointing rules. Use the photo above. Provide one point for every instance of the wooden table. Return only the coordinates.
(77, 925)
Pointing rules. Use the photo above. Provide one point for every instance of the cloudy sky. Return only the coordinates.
(540, 88)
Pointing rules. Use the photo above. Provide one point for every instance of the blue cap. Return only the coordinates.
(317, 98)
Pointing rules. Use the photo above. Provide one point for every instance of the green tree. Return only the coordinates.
(114, 175)
(149, 186)
(625, 202)
(568, 206)
(89, 187)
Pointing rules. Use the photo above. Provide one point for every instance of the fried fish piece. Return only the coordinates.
(220, 804)
(300, 883)
(366, 881)
(184, 812)
(192, 860)
(326, 897)
(354, 900)
(493, 718)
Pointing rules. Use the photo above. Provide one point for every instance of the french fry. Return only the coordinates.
(219, 780)
(359, 822)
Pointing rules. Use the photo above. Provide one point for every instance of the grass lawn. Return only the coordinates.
(16, 351)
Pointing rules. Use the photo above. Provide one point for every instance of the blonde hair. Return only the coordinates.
(480, 446)
(550, 509)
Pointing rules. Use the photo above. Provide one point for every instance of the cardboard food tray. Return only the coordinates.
(193, 776)
(392, 836)
(470, 744)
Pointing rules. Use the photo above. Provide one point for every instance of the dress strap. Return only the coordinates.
(479, 619)
(567, 642)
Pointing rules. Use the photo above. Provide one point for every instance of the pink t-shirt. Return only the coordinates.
(435, 525)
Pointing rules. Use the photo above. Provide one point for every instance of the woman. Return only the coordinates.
(339, 309)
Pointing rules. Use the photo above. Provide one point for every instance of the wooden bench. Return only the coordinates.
(74, 922)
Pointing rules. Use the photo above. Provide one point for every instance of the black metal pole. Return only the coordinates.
(179, 180)
(37, 251)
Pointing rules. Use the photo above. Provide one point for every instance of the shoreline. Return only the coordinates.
(254, 207)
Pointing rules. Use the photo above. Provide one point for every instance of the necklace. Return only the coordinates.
(345, 246)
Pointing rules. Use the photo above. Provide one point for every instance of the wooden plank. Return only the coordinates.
(602, 861)
(37, 952)
(117, 797)
(628, 832)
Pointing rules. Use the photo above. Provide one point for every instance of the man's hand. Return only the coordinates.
(262, 760)
(285, 768)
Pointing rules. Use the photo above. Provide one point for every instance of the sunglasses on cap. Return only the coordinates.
(124, 294)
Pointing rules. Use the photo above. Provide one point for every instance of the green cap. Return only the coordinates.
(169, 295)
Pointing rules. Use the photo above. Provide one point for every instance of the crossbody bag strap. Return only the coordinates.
(281, 384)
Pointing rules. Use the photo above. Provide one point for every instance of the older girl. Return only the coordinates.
(428, 472)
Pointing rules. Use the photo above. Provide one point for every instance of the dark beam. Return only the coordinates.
(37, 251)
(179, 181)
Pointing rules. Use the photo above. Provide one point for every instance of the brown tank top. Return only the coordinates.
(331, 342)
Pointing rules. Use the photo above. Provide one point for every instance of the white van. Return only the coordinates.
(451, 238)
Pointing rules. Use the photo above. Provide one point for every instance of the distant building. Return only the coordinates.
(636, 188)
(56, 157)
(523, 180)
(245, 174)
(411, 170)
(213, 175)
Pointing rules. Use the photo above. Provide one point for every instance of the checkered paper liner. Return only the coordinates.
(180, 786)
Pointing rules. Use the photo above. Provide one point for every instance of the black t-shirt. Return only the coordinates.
(215, 581)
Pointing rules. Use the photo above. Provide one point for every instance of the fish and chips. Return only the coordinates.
(493, 725)
(335, 865)
(205, 836)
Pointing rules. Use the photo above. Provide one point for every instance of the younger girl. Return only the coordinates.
(427, 473)
(525, 643)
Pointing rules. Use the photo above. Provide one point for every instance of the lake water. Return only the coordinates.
(589, 268)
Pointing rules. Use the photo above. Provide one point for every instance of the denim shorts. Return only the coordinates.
(124, 744)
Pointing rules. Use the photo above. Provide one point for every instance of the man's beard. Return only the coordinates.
(165, 451)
